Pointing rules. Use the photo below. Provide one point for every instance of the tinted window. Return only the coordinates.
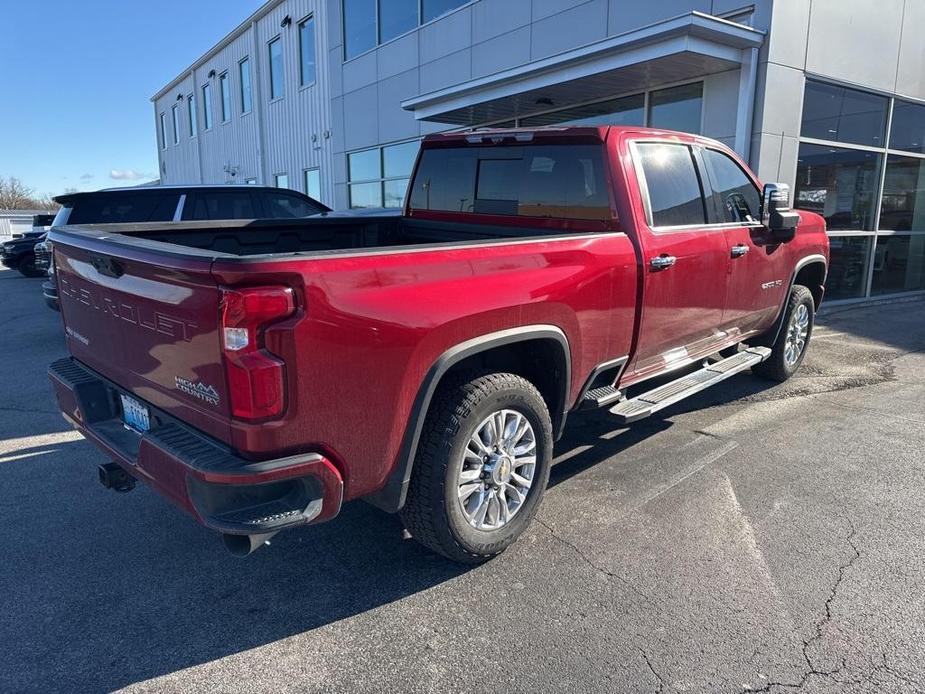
(840, 184)
(279, 206)
(736, 196)
(359, 26)
(226, 205)
(124, 208)
(908, 129)
(677, 108)
(675, 197)
(846, 115)
(562, 181)
(903, 205)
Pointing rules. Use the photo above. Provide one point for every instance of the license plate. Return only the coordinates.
(134, 414)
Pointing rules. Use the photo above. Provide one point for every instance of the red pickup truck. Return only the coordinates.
(261, 373)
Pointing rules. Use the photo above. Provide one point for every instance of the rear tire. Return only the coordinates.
(27, 267)
(467, 501)
(788, 350)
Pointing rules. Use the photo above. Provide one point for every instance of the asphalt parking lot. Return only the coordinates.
(761, 537)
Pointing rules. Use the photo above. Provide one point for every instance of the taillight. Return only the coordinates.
(255, 376)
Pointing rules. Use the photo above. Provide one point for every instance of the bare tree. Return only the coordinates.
(15, 195)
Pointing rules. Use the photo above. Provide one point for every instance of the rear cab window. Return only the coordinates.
(550, 181)
(206, 205)
(120, 208)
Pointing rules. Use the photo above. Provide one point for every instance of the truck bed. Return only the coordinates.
(323, 233)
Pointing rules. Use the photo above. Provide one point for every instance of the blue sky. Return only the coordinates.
(76, 80)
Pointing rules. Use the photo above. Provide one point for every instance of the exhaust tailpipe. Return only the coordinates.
(243, 545)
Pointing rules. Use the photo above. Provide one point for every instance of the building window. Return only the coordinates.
(307, 52)
(247, 97)
(368, 23)
(163, 130)
(677, 108)
(431, 9)
(871, 192)
(379, 177)
(191, 113)
(397, 17)
(207, 105)
(224, 89)
(839, 184)
(275, 48)
(281, 180)
(840, 114)
(313, 183)
(250, 181)
(175, 115)
(907, 132)
(627, 110)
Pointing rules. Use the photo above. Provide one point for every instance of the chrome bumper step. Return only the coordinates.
(659, 398)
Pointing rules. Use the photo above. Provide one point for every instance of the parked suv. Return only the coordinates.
(260, 375)
(19, 252)
(170, 204)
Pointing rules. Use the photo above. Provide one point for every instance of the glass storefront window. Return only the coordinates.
(627, 110)
(840, 114)
(847, 266)
(378, 177)
(907, 130)
(899, 264)
(903, 204)
(839, 184)
(677, 108)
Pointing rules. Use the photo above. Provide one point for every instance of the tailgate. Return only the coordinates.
(148, 322)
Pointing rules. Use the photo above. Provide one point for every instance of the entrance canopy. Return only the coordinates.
(685, 47)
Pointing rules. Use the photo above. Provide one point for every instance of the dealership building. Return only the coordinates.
(330, 97)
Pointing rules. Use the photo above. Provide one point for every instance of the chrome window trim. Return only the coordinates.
(178, 213)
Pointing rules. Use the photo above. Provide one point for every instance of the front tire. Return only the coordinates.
(788, 350)
(481, 467)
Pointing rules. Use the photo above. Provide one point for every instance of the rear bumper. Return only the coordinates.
(200, 475)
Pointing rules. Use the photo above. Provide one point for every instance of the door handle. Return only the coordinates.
(739, 251)
(662, 262)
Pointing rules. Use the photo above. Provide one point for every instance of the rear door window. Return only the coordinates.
(124, 208)
(736, 198)
(219, 205)
(558, 181)
(670, 180)
(282, 206)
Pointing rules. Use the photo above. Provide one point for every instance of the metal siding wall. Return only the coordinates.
(180, 162)
(235, 143)
(303, 113)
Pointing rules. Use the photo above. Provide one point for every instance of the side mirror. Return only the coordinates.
(776, 214)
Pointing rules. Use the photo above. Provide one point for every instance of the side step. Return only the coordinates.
(600, 397)
(659, 398)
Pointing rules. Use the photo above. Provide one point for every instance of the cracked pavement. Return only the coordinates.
(758, 537)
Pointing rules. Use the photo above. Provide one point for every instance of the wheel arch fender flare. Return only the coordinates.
(391, 497)
(803, 262)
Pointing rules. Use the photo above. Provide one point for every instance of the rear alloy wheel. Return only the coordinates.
(481, 468)
(788, 350)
